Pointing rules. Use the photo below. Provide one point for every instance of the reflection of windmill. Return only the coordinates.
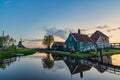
(20, 45)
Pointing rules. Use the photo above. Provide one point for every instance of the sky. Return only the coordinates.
(32, 19)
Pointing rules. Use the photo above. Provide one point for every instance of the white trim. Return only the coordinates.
(98, 39)
(73, 37)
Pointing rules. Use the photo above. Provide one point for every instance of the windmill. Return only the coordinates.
(20, 45)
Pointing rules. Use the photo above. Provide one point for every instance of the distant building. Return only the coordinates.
(78, 41)
(100, 39)
(57, 46)
(20, 45)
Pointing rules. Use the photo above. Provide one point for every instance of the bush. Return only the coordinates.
(12, 48)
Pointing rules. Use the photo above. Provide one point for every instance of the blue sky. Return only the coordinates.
(30, 18)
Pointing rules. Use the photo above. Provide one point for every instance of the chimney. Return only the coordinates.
(79, 31)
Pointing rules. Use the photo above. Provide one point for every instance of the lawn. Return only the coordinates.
(26, 51)
(8, 54)
(84, 54)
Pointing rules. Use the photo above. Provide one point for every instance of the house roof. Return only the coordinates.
(81, 68)
(96, 35)
(81, 37)
(59, 43)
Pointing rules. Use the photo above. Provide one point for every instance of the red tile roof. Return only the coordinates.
(81, 68)
(81, 37)
(96, 35)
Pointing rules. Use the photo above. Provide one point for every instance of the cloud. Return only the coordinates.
(109, 30)
(33, 40)
(102, 27)
(62, 33)
(118, 28)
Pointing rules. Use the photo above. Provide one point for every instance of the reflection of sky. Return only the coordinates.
(116, 59)
(31, 68)
(28, 18)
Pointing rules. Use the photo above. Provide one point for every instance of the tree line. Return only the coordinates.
(6, 41)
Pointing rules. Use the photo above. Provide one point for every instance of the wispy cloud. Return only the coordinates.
(114, 29)
(33, 40)
(62, 33)
(118, 28)
(102, 27)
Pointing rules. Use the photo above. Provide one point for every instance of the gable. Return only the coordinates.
(95, 36)
(70, 38)
(102, 39)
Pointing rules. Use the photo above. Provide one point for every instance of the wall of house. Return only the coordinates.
(103, 42)
(71, 42)
(86, 46)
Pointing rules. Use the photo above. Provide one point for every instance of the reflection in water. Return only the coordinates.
(116, 59)
(48, 62)
(77, 68)
(77, 65)
(33, 67)
(4, 63)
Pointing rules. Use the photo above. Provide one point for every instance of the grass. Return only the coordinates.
(5, 55)
(76, 54)
(8, 54)
(26, 51)
(83, 54)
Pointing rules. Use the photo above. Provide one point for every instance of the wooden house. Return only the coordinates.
(78, 41)
(100, 39)
(57, 46)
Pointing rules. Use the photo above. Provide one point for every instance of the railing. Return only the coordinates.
(115, 45)
(104, 66)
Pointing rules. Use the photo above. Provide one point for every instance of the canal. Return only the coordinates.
(42, 66)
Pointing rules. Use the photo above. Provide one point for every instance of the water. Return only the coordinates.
(41, 66)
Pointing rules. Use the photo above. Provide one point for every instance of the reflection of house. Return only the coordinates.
(101, 66)
(78, 41)
(77, 68)
(57, 46)
(100, 39)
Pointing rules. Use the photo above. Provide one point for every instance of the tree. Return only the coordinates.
(48, 40)
(6, 41)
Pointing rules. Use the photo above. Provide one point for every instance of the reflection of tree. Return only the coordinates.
(47, 62)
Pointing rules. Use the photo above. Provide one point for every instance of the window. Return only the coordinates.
(105, 39)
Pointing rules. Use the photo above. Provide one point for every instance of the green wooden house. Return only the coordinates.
(79, 42)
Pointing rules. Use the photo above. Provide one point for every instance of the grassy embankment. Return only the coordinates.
(83, 54)
(8, 54)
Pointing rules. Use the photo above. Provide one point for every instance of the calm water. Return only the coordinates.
(41, 66)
